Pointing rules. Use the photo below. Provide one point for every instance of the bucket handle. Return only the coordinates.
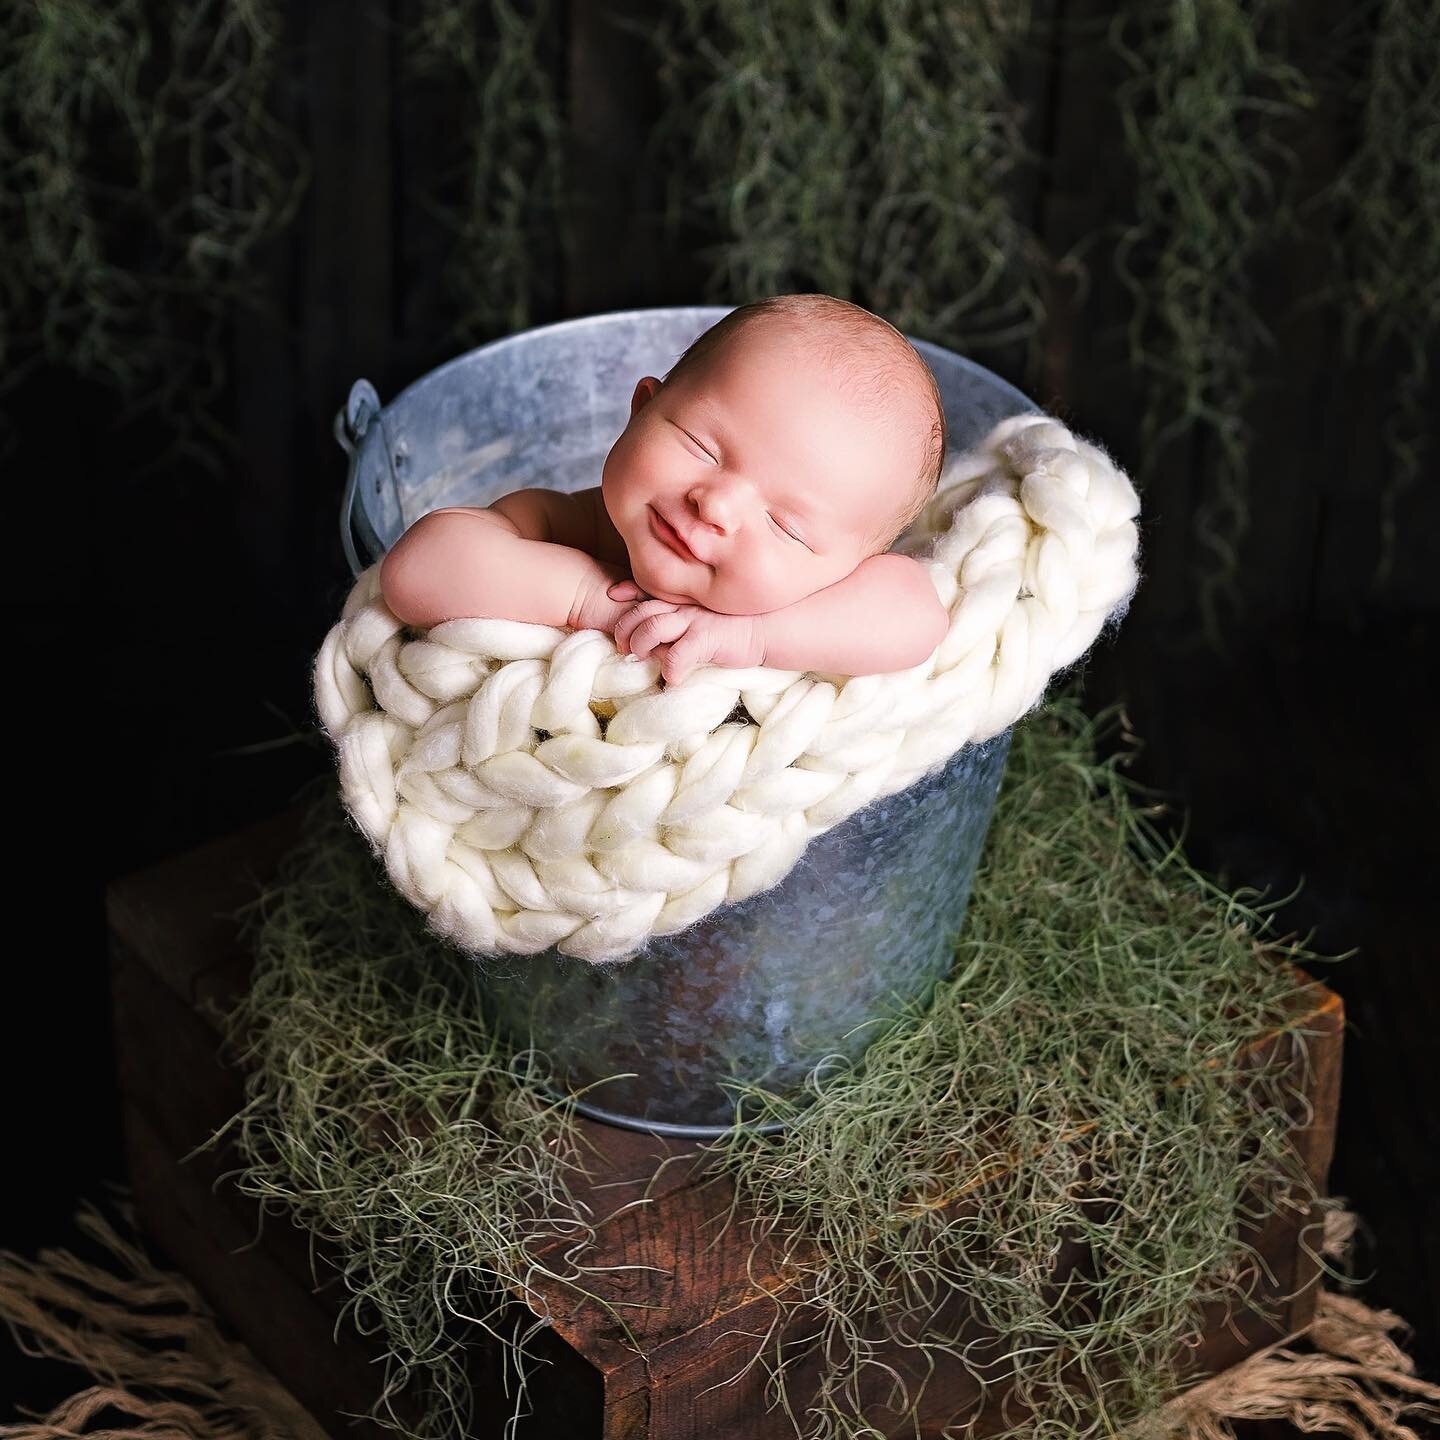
(352, 424)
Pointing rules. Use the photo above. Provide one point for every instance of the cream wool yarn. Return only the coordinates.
(648, 807)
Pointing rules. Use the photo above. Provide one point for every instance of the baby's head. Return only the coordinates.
(794, 439)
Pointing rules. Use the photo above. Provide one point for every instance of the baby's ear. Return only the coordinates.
(645, 391)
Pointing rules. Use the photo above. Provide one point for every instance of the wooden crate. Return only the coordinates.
(175, 956)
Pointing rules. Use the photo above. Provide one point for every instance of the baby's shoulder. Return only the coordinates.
(539, 513)
(572, 519)
(577, 519)
(589, 523)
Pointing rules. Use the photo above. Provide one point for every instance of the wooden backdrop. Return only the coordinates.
(1301, 752)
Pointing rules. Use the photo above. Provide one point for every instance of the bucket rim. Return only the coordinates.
(582, 322)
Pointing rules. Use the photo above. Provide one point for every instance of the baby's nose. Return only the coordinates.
(719, 507)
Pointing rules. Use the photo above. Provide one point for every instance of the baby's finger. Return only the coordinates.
(655, 629)
(677, 669)
(627, 622)
(684, 657)
(625, 590)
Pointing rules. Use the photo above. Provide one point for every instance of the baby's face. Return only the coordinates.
(771, 478)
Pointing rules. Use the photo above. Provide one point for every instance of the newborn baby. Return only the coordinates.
(743, 516)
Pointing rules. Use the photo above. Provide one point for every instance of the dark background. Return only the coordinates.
(169, 616)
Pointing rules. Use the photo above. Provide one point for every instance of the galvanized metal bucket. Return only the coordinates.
(765, 991)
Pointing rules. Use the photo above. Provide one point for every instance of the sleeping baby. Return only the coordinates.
(744, 516)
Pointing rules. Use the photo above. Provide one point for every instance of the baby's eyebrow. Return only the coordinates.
(707, 417)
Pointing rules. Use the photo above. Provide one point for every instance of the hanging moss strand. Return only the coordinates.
(1384, 212)
(863, 149)
(144, 166)
(1207, 84)
(508, 218)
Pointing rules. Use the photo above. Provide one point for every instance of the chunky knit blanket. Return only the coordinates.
(528, 788)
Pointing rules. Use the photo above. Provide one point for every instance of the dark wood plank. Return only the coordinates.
(1030, 87)
(1298, 411)
(344, 312)
(615, 260)
(347, 277)
(175, 914)
(277, 1318)
(1317, 1050)
(1387, 1160)
(265, 384)
(427, 150)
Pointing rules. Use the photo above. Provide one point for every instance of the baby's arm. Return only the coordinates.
(499, 562)
(884, 616)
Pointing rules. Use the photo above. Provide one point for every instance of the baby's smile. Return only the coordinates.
(672, 537)
(752, 481)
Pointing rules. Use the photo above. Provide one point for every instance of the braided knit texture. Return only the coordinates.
(527, 787)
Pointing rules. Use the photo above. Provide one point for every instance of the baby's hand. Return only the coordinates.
(685, 637)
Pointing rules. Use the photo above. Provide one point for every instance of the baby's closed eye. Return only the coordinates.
(698, 446)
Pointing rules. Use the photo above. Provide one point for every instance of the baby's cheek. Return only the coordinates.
(753, 589)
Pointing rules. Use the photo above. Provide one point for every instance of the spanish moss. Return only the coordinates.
(1384, 213)
(859, 148)
(1206, 92)
(506, 219)
(1102, 995)
(144, 168)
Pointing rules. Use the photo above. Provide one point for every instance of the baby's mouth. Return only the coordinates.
(667, 533)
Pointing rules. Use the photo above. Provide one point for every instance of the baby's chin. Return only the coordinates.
(651, 586)
(681, 597)
(651, 582)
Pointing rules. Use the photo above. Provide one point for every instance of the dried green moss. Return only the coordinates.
(860, 149)
(1383, 212)
(143, 167)
(1095, 971)
(1207, 91)
(506, 214)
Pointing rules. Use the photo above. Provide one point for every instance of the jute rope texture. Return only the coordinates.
(646, 807)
